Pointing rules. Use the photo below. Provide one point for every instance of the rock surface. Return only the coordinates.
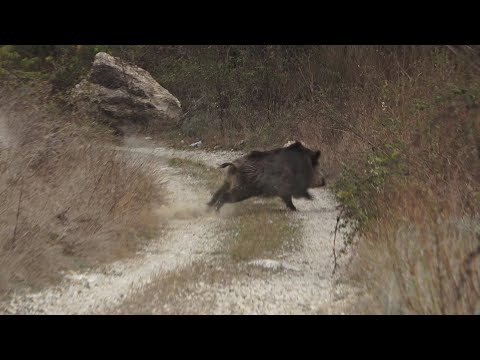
(125, 92)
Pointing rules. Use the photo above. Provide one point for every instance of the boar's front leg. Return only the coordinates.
(287, 199)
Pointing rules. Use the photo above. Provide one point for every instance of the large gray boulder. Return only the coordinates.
(125, 92)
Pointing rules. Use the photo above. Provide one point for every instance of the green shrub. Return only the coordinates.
(358, 188)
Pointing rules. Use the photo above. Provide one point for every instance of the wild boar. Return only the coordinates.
(285, 172)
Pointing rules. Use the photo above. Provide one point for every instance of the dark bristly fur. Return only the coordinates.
(285, 172)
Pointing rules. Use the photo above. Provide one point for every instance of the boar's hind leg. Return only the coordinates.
(218, 196)
(232, 196)
(287, 199)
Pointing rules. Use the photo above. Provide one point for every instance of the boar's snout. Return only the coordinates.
(318, 179)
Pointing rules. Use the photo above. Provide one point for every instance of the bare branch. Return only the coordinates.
(12, 241)
(334, 240)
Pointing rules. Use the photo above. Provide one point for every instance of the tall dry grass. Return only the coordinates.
(408, 142)
(66, 199)
(419, 259)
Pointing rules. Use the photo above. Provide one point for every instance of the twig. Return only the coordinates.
(352, 131)
(11, 242)
(466, 272)
(439, 275)
(194, 107)
(100, 178)
(334, 240)
(464, 57)
(18, 210)
(403, 70)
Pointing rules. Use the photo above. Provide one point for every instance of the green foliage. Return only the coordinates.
(70, 63)
(67, 69)
(357, 189)
(14, 62)
(63, 65)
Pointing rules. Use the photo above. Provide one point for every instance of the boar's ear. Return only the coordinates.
(316, 157)
(296, 145)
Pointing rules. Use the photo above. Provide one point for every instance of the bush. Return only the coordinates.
(66, 199)
(358, 188)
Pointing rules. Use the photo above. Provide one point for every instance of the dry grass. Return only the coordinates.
(172, 294)
(408, 138)
(259, 229)
(421, 261)
(66, 199)
(210, 177)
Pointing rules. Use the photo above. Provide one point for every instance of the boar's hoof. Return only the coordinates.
(288, 201)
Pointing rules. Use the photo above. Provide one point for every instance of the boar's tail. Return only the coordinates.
(224, 165)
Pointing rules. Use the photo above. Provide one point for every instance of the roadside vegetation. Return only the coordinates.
(399, 130)
(67, 201)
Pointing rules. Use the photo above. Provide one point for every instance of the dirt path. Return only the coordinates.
(190, 270)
